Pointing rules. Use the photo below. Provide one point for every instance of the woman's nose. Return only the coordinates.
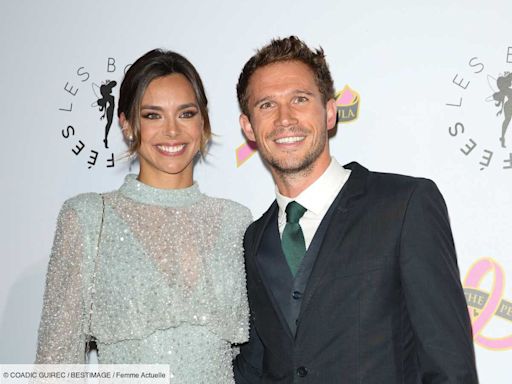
(171, 128)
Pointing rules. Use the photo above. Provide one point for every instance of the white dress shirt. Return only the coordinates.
(317, 198)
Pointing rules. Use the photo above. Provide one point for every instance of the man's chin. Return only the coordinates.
(291, 168)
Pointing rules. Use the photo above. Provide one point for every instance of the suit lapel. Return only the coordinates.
(266, 220)
(350, 199)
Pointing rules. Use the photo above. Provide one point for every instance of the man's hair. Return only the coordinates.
(280, 50)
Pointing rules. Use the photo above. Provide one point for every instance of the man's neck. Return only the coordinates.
(292, 184)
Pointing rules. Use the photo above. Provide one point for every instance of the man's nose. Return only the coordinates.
(285, 116)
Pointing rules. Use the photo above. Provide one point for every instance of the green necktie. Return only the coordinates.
(292, 240)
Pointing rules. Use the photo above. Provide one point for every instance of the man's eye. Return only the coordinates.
(151, 115)
(188, 114)
(301, 99)
(265, 105)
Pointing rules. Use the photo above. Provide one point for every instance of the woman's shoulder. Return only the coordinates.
(230, 208)
(88, 207)
(83, 213)
(84, 202)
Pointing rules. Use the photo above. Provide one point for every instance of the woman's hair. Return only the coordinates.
(157, 63)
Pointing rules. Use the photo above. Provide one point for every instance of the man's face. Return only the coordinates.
(288, 119)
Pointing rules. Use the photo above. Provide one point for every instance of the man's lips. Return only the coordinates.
(289, 139)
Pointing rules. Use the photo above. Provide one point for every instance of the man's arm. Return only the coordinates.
(248, 363)
(433, 292)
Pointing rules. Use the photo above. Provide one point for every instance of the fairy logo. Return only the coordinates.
(503, 99)
(89, 109)
(481, 110)
(106, 103)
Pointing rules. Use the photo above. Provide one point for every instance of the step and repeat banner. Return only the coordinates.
(422, 89)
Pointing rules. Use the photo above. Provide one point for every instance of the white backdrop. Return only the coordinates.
(404, 60)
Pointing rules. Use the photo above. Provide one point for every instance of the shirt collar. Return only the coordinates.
(318, 197)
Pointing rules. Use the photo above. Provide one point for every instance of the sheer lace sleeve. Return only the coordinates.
(237, 318)
(61, 337)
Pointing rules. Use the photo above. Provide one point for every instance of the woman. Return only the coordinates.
(153, 271)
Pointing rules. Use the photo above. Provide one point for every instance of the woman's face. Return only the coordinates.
(171, 126)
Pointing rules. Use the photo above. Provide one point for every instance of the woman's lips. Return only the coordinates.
(174, 149)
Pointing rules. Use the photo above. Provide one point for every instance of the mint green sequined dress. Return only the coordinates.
(169, 282)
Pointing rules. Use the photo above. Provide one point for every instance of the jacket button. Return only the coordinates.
(302, 371)
(296, 295)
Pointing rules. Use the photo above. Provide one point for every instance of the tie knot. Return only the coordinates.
(294, 211)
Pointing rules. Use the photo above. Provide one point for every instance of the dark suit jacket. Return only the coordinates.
(382, 303)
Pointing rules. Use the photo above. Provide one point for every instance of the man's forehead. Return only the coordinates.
(289, 76)
(289, 67)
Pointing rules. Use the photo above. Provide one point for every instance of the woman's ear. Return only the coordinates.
(125, 127)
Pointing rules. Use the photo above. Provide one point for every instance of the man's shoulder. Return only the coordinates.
(258, 223)
(396, 180)
(358, 169)
(387, 184)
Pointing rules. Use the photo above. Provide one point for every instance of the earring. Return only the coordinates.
(128, 134)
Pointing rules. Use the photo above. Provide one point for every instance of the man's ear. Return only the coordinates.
(332, 113)
(246, 125)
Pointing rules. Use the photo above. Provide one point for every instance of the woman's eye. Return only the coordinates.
(188, 114)
(151, 115)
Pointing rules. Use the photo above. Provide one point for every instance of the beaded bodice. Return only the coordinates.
(166, 259)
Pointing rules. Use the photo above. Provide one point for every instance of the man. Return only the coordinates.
(352, 275)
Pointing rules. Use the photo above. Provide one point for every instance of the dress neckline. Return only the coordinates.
(143, 193)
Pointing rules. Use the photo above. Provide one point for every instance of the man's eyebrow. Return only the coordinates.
(305, 91)
(294, 92)
(259, 101)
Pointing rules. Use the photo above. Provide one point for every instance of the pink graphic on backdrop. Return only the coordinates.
(347, 105)
(346, 97)
(473, 279)
(244, 152)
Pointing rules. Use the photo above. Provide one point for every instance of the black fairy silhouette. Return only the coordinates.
(106, 103)
(503, 100)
